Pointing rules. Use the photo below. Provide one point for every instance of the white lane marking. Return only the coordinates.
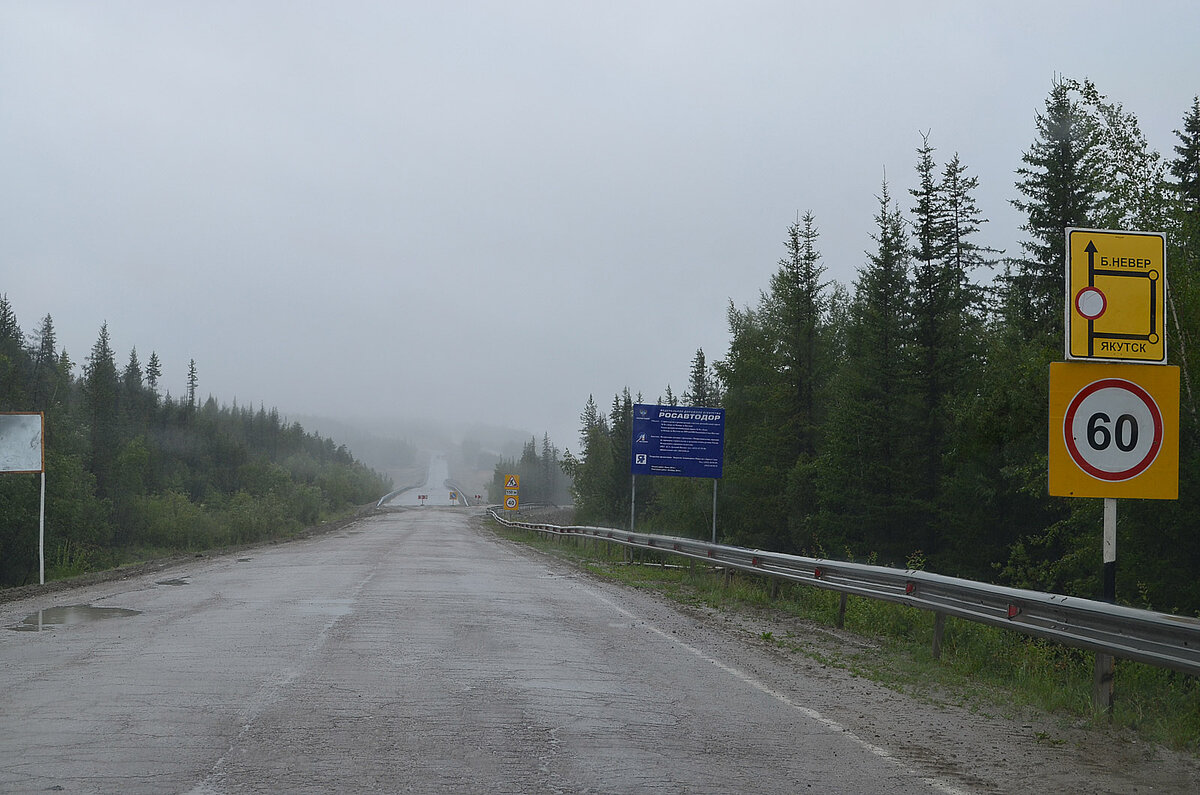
(944, 787)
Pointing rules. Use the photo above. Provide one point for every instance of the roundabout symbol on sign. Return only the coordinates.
(1113, 429)
(1091, 303)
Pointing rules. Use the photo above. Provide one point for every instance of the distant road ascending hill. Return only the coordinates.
(436, 489)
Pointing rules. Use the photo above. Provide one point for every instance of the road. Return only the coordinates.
(416, 652)
(434, 491)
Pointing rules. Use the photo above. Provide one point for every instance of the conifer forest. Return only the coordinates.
(132, 472)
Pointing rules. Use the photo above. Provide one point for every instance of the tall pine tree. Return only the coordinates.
(865, 479)
(101, 392)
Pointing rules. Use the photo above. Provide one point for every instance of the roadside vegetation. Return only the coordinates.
(984, 669)
(133, 474)
(904, 416)
(542, 480)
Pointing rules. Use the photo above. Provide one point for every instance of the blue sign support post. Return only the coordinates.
(677, 441)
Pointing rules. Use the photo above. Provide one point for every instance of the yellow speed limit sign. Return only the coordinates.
(511, 502)
(1114, 430)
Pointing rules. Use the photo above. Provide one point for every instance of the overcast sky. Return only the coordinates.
(489, 211)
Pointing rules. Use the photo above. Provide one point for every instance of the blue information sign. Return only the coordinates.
(682, 441)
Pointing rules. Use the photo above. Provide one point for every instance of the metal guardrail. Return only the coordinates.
(1158, 639)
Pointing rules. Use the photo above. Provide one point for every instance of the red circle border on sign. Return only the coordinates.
(1140, 394)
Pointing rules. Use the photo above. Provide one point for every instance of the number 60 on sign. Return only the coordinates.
(1114, 430)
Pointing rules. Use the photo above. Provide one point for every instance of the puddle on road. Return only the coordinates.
(70, 616)
(177, 581)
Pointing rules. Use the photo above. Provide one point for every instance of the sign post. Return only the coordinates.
(23, 450)
(677, 441)
(1114, 423)
(512, 492)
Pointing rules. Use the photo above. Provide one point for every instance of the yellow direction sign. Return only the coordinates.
(1114, 430)
(1116, 296)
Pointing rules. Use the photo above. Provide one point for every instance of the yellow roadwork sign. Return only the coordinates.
(1114, 430)
(1116, 296)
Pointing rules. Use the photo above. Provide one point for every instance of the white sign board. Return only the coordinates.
(21, 447)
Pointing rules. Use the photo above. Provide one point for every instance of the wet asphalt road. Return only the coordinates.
(410, 653)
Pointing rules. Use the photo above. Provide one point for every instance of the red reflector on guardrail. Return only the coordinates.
(756, 561)
(1014, 611)
(910, 587)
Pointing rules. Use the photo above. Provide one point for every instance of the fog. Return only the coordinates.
(481, 213)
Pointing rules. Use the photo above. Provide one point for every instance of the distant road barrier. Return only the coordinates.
(396, 493)
(1159, 639)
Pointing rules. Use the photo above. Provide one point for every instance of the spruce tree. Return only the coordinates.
(1185, 168)
(131, 378)
(192, 382)
(591, 473)
(13, 360)
(1183, 254)
(947, 324)
(1058, 182)
(45, 381)
(153, 371)
(101, 394)
(934, 337)
(702, 388)
(620, 420)
(756, 459)
(798, 305)
(865, 477)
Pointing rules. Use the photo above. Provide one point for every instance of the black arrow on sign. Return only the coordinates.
(1091, 252)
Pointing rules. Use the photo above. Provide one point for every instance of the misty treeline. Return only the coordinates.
(542, 479)
(904, 419)
(131, 471)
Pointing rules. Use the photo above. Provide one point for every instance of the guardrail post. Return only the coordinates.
(1102, 684)
(939, 629)
(841, 616)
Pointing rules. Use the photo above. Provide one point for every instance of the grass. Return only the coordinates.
(986, 669)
